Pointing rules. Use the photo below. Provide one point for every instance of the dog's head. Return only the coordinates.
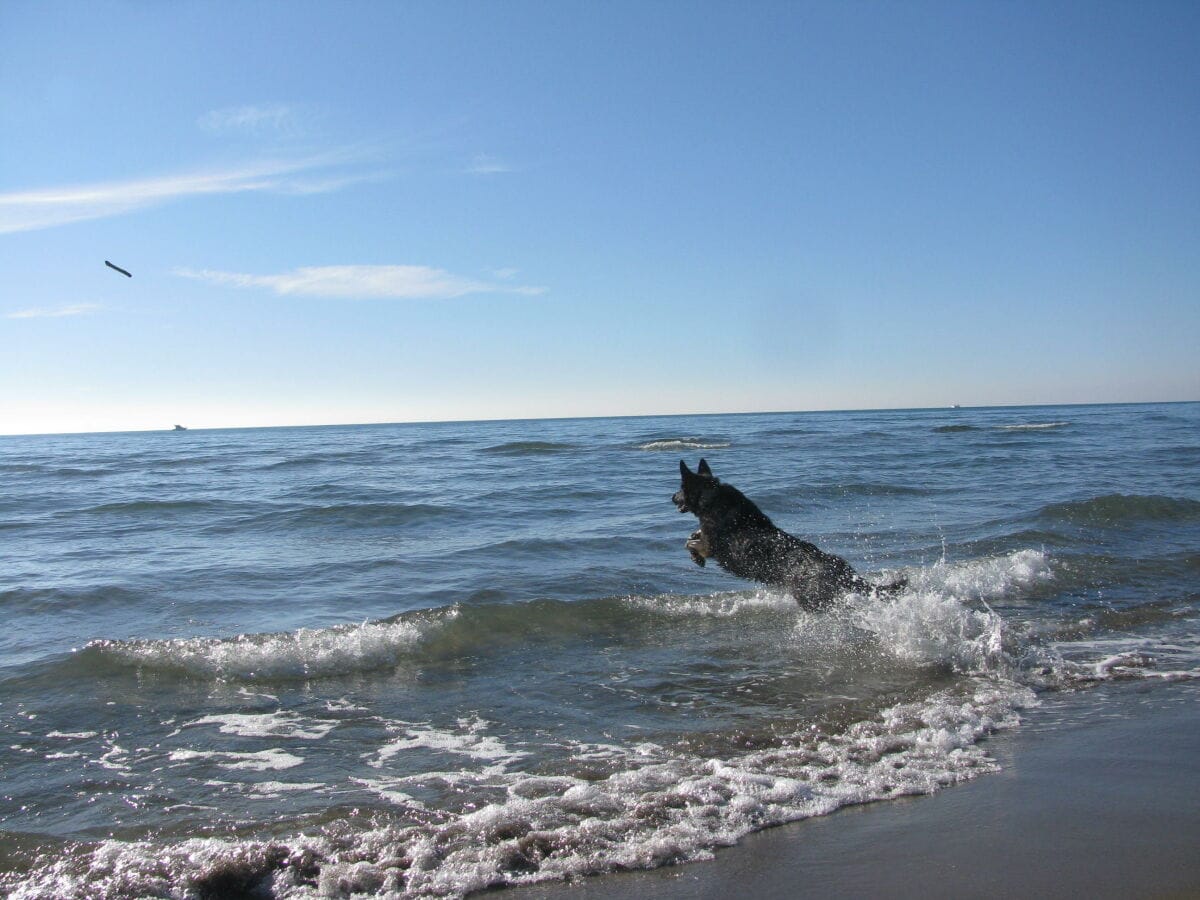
(696, 487)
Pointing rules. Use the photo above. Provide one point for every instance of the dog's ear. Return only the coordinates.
(703, 468)
(683, 469)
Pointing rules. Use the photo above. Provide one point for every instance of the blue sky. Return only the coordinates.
(378, 212)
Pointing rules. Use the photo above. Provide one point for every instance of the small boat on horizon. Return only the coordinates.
(180, 428)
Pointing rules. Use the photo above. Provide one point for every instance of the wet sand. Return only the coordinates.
(1099, 797)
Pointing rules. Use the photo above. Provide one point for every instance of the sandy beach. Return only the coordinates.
(1099, 797)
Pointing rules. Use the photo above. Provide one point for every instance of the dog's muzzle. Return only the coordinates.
(680, 501)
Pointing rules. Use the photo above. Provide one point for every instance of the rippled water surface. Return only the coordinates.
(426, 659)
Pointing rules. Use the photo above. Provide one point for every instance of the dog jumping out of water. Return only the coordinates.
(743, 541)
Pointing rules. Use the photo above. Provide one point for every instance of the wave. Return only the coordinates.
(222, 461)
(528, 448)
(963, 428)
(371, 515)
(149, 507)
(310, 460)
(868, 489)
(677, 444)
(57, 471)
(19, 468)
(305, 653)
(936, 621)
(1033, 426)
(1119, 509)
(933, 614)
(39, 600)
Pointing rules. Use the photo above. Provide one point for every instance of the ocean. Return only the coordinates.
(428, 659)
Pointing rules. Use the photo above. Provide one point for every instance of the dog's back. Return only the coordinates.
(746, 543)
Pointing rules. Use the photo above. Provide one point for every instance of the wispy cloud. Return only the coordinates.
(48, 207)
(327, 184)
(274, 118)
(78, 309)
(483, 164)
(362, 282)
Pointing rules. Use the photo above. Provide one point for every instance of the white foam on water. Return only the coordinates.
(1136, 665)
(344, 705)
(115, 759)
(659, 807)
(928, 628)
(274, 724)
(278, 788)
(594, 751)
(676, 444)
(385, 788)
(720, 606)
(258, 761)
(257, 695)
(307, 652)
(934, 621)
(469, 740)
(986, 578)
(937, 620)
(1163, 658)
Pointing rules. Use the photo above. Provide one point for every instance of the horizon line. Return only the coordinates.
(763, 412)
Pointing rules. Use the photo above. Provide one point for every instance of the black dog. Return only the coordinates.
(739, 536)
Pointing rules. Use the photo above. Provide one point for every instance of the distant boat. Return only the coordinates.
(180, 428)
(955, 406)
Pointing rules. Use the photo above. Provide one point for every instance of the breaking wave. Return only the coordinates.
(1033, 426)
(677, 444)
(658, 807)
(930, 622)
(305, 653)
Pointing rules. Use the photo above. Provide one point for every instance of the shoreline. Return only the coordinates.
(1098, 796)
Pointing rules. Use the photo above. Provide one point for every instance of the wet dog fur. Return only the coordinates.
(744, 542)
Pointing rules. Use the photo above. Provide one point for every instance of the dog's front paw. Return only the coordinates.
(698, 548)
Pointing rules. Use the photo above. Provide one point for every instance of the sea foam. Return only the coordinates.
(305, 653)
(937, 619)
(659, 807)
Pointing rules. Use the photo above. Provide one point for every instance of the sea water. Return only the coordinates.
(403, 660)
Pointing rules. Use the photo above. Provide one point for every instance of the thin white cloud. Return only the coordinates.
(326, 184)
(78, 309)
(483, 164)
(46, 208)
(362, 282)
(276, 118)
